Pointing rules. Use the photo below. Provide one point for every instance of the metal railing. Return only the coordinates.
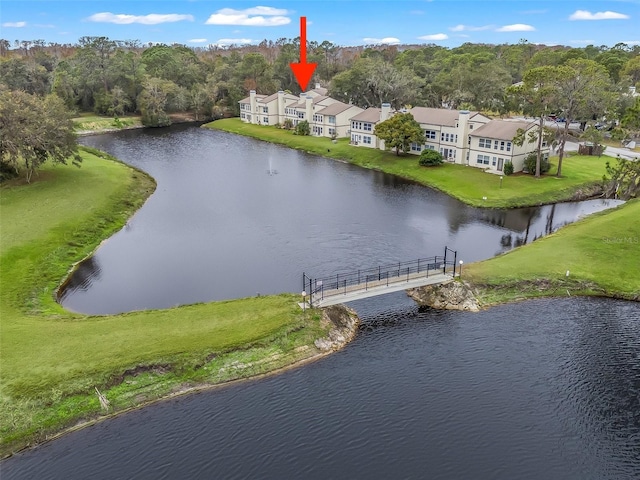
(343, 282)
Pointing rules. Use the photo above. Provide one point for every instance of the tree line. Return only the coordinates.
(111, 77)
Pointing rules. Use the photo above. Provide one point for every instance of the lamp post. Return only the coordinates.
(461, 262)
(304, 302)
(500, 181)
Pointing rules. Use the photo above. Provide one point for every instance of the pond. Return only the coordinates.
(234, 217)
(537, 389)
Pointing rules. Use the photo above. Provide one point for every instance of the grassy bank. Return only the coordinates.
(601, 253)
(99, 124)
(52, 360)
(582, 174)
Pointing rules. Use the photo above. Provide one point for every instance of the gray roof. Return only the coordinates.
(248, 99)
(436, 116)
(335, 108)
(268, 99)
(500, 129)
(320, 90)
(371, 114)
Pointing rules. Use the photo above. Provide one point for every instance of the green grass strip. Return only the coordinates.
(601, 254)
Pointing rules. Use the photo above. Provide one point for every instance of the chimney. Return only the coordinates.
(309, 109)
(280, 106)
(254, 107)
(463, 134)
(385, 112)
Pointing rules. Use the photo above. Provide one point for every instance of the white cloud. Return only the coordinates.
(269, 11)
(384, 41)
(435, 36)
(469, 28)
(225, 42)
(197, 40)
(151, 19)
(632, 42)
(516, 27)
(587, 15)
(250, 17)
(14, 24)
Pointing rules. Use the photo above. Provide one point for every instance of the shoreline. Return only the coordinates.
(178, 387)
(338, 337)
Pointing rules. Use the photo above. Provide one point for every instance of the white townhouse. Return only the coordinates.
(334, 120)
(447, 131)
(265, 109)
(462, 137)
(491, 146)
(327, 116)
(362, 126)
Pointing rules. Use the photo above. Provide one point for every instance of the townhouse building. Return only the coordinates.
(462, 137)
(327, 116)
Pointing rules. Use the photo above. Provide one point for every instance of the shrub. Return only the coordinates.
(430, 158)
(530, 164)
(508, 168)
(287, 124)
(303, 128)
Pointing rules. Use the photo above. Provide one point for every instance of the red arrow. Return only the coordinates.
(303, 70)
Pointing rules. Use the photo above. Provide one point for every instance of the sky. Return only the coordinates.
(448, 23)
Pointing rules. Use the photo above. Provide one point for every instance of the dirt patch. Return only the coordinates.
(137, 371)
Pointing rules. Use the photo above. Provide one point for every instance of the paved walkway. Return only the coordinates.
(379, 287)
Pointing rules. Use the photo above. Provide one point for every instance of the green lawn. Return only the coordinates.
(98, 123)
(601, 253)
(582, 174)
(51, 359)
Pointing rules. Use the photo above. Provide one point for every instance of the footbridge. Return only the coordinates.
(356, 285)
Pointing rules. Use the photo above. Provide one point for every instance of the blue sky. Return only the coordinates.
(345, 22)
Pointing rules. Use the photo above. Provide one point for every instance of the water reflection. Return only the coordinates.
(219, 227)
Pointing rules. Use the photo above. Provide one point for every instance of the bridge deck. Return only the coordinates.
(381, 287)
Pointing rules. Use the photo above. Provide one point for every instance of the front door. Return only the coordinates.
(500, 163)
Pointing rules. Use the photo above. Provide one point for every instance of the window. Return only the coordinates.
(356, 125)
(430, 134)
(317, 118)
(300, 114)
(265, 109)
(508, 146)
(317, 130)
(356, 138)
(494, 161)
(429, 147)
(332, 119)
(484, 143)
(483, 159)
(366, 139)
(471, 126)
(265, 120)
(502, 146)
(416, 147)
(495, 145)
(242, 115)
(332, 131)
(366, 127)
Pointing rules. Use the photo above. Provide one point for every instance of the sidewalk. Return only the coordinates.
(610, 151)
